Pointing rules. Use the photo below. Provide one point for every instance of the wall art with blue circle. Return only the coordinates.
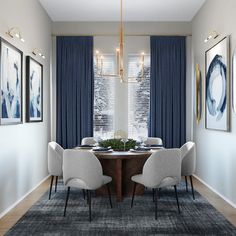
(217, 86)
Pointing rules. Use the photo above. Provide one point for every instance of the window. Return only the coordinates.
(138, 97)
(104, 99)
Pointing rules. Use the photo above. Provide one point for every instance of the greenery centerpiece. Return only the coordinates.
(118, 144)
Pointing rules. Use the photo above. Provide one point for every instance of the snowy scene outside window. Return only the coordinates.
(104, 99)
(138, 97)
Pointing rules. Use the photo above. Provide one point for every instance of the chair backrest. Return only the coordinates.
(55, 158)
(83, 165)
(162, 164)
(153, 141)
(88, 141)
(188, 155)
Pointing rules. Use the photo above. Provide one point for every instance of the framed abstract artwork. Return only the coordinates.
(217, 86)
(234, 80)
(34, 90)
(10, 83)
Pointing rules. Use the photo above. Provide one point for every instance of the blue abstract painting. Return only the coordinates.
(34, 90)
(11, 77)
(217, 86)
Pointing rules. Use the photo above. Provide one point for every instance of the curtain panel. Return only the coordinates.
(168, 90)
(75, 86)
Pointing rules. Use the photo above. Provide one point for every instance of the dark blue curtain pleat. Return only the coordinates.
(75, 81)
(168, 90)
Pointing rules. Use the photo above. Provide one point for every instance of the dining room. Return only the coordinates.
(117, 117)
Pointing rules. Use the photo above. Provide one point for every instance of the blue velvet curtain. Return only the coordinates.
(75, 86)
(168, 90)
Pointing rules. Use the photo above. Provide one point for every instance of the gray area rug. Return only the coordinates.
(197, 217)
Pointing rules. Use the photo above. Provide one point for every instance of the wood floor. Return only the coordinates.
(16, 213)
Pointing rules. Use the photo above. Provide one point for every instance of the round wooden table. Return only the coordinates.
(121, 166)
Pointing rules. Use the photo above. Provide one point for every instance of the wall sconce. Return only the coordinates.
(37, 51)
(15, 32)
(212, 35)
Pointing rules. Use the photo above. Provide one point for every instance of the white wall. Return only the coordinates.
(106, 41)
(23, 147)
(216, 151)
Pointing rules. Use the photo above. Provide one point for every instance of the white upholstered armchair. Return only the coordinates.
(153, 141)
(82, 169)
(55, 157)
(162, 169)
(88, 141)
(188, 155)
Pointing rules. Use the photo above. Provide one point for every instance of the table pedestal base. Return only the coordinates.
(121, 170)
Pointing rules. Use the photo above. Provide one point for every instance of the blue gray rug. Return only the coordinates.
(197, 217)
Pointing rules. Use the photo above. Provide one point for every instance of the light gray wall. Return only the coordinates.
(23, 147)
(140, 28)
(216, 151)
(105, 42)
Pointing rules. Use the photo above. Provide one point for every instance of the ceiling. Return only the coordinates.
(134, 10)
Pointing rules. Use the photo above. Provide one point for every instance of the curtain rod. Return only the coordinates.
(100, 35)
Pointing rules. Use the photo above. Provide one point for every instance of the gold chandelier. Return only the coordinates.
(120, 74)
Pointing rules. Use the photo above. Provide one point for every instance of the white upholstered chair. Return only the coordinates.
(88, 141)
(55, 158)
(188, 155)
(162, 169)
(153, 141)
(82, 169)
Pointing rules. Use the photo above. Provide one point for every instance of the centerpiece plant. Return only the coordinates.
(118, 144)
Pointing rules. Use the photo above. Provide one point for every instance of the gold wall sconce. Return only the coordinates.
(14, 32)
(38, 52)
(212, 35)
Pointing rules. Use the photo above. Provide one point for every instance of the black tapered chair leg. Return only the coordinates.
(191, 181)
(50, 191)
(153, 195)
(177, 200)
(67, 198)
(109, 194)
(84, 193)
(132, 202)
(56, 183)
(89, 197)
(159, 193)
(87, 193)
(186, 183)
(156, 203)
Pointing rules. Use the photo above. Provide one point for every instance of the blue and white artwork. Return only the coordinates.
(217, 86)
(34, 90)
(11, 82)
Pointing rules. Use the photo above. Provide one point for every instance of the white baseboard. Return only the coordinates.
(18, 201)
(216, 192)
